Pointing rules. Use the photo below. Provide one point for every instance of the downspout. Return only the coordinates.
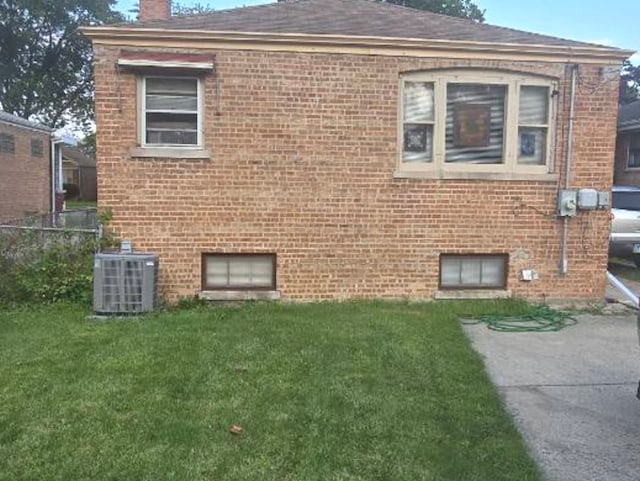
(564, 267)
(52, 184)
(56, 171)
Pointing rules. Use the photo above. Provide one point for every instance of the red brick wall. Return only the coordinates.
(24, 179)
(154, 10)
(303, 151)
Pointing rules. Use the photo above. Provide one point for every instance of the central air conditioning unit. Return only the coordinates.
(124, 284)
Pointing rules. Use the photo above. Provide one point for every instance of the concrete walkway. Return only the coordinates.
(572, 394)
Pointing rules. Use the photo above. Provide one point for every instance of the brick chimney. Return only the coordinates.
(154, 10)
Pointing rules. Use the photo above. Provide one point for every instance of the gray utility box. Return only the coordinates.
(124, 284)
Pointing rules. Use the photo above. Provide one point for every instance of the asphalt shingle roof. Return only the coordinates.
(15, 120)
(74, 154)
(363, 18)
(629, 115)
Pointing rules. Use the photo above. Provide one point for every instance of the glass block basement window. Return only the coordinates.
(239, 271)
(473, 271)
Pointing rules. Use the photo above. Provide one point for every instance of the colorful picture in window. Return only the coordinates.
(415, 138)
(527, 144)
(471, 125)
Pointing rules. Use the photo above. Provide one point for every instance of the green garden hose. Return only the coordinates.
(541, 319)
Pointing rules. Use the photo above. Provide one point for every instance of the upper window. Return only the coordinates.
(473, 121)
(634, 151)
(7, 144)
(171, 112)
(37, 148)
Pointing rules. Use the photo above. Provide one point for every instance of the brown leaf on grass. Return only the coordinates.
(235, 429)
(240, 368)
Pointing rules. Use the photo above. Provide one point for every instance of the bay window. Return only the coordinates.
(459, 122)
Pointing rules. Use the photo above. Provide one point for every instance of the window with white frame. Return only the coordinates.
(239, 271)
(171, 111)
(475, 121)
(634, 152)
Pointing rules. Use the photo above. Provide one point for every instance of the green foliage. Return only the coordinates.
(88, 144)
(454, 8)
(629, 83)
(197, 9)
(181, 9)
(45, 267)
(45, 62)
(190, 303)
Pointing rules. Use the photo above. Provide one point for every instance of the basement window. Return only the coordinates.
(457, 123)
(238, 272)
(473, 271)
(171, 112)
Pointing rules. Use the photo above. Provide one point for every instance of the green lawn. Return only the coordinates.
(80, 204)
(331, 391)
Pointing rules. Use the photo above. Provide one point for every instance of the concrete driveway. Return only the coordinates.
(572, 394)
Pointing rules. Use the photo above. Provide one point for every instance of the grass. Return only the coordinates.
(80, 204)
(329, 391)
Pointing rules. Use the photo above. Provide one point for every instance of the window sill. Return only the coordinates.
(170, 153)
(490, 176)
(473, 294)
(239, 295)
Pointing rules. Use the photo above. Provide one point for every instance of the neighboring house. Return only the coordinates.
(30, 180)
(627, 167)
(323, 149)
(79, 169)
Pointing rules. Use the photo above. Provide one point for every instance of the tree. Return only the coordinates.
(180, 9)
(45, 62)
(454, 8)
(88, 144)
(629, 82)
(197, 9)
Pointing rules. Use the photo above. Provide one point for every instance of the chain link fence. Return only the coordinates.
(45, 258)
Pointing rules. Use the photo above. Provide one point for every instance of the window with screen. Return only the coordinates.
(634, 151)
(37, 148)
(171, 111)
(7, 144)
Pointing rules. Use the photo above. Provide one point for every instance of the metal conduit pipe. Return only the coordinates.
(615, 282)
(564, 267)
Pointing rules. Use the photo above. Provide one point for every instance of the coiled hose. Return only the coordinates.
(541, 319)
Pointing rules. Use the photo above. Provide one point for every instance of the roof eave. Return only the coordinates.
(125, 36)
(629, 125)
(35, 127)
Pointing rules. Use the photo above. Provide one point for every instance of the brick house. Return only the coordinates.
(29, 168)
(331, 149)
(627, 161)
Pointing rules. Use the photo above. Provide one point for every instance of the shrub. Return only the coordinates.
(44, 267)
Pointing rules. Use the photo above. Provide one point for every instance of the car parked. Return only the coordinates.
(624, 240)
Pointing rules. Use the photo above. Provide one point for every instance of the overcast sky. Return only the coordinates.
(613, 22)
